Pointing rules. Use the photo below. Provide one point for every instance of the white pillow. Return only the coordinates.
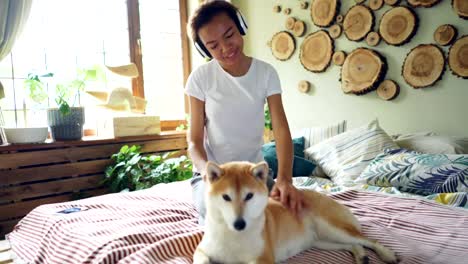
(345, 156)
(435, 144)
(314, 135)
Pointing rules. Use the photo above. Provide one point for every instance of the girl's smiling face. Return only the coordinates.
(223, 40)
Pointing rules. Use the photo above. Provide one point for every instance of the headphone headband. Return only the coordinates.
(241, 26)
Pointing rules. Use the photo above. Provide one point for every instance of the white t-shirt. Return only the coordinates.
(234, 109)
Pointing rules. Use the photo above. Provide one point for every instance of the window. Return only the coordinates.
(63, 36)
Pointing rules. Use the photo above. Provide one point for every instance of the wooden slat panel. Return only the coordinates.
(40, 189)
(14, 160)
(20, 209)
(16, 176)
(6, 227)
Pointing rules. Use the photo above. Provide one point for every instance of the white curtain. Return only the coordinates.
(13, 17)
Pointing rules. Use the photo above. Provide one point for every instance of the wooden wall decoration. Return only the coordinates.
(398, 25)
(304, 5)
(373, 39)
(339, 19)
(335, 31)
(299, 28)
(358, 21)
(323, 12)
(392, 2)
(388, 90)
(303, 86)
(423, 3)
(290, 23)
(458, 57)
(287, 11)
(375, 4)
(362, 71)
(277, 8)
(339, 58)
(316, 51)
(283, 45)
(445, 34)
(424, 65)
(461, 8)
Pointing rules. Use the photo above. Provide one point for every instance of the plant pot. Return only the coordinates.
(66, 127)
(24, 135)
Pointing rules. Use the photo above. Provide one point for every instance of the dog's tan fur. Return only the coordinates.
(273, 233)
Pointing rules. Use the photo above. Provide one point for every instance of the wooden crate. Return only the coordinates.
(31, 175)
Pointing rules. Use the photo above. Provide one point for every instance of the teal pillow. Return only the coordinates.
(301, 166)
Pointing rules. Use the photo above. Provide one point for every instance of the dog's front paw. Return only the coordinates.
(200, 258)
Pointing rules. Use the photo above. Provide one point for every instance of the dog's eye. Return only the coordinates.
(248, 196)
(226, 198)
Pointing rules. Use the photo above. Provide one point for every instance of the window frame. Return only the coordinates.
(136, 54)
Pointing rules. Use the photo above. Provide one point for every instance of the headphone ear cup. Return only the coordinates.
(241, 23)
(202, 50)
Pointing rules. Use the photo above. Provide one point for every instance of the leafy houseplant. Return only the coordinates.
(268, 131)
(66, 121)
(133, 171)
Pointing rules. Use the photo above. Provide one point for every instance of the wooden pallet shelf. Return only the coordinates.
(36, 174)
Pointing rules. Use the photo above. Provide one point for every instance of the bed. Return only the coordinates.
(159, 225)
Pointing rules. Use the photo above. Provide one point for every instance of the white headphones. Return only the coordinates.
(241, 26)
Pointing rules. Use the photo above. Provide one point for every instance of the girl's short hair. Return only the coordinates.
(205, 13)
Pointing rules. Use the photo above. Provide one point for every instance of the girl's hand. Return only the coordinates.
(288, 195)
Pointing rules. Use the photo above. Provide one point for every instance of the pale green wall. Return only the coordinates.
(441, 108)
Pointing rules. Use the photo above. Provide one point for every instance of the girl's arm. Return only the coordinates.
(195, 135)
(284, 147)
(284, 190)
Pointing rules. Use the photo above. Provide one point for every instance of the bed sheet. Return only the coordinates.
(159, 225)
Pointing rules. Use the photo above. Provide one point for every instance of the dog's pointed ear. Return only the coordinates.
(213, 171)
(260, 170)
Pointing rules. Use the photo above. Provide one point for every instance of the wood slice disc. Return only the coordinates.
(339, 19)
(391, 2)
(358, 22)
(316, 51)
(373, 39)
(287, 11)
(277, 8)
(458, 57)
(461, 8)
(423, 66)
(283, 45)
(339, 58)
(445, 34)
(290, 23)
(388, 90)
(304, 5)
(398, 25)
(303, 86)
(323, 12)
(362, 71)
(423, 3)
(375, 4)
(335, 31)
(299, 28)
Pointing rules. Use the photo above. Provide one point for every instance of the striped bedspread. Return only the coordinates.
(158, 225)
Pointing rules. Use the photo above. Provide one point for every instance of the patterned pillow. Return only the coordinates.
(344, 157)
(418, 173)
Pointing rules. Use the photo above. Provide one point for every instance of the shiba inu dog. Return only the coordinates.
(244, 225)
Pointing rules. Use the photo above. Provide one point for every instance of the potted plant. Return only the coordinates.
(67, 119)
